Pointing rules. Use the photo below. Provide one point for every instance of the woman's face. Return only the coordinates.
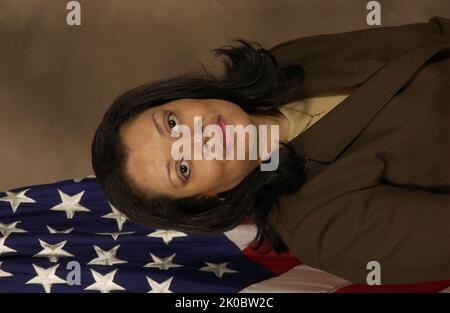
(151, 165)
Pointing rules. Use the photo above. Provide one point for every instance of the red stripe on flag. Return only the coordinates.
(277, 263)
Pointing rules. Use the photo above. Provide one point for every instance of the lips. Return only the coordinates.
(222, 123)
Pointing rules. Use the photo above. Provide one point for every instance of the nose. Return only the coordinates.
(201, 139)
(198, 138)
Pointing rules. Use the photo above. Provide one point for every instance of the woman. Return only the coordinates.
(363, 163)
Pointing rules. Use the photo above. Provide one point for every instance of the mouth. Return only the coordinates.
(223, 123)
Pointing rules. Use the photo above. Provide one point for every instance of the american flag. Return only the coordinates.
(65, 237)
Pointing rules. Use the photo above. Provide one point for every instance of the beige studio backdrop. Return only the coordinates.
(56, 81)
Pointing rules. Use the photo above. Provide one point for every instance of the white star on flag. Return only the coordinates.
(162, 264)
(16, 198)
(7, 229)
(116, 234)
(3, 248)
(3, 273)
(117, 215)
(46, 277)
(52, 252)
(104, 283)
(106, 257)
(159, 287)
(63, 231)
(217, 268)
(70, 204)
(166, 234)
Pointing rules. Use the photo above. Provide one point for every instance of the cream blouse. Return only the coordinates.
(304, 113)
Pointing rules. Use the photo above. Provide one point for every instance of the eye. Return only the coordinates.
(184, 169)
(173, 122)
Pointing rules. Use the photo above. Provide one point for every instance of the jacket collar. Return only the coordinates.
(377, 82)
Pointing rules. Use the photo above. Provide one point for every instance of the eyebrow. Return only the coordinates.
(160, 131)
(158, 127)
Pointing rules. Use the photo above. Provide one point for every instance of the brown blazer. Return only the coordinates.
(377, 185)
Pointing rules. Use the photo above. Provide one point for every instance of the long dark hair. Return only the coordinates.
(252, 80)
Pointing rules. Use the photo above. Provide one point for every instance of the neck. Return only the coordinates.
(271, 118)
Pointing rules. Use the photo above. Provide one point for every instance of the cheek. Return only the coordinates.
(239, 117)
(210, 171)
(237, 170)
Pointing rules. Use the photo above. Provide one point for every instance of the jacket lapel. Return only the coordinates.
(335, 131)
